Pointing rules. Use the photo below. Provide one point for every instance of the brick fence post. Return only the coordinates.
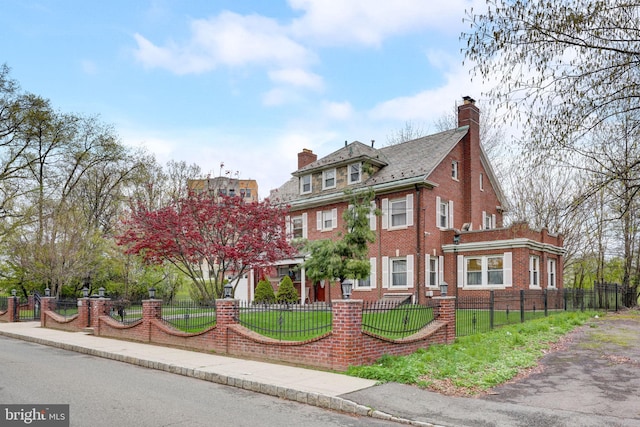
(151, 309)
(445, 311)
(84, 316)
(227, 311)
(346, 333)
(99, 307)
(48, 304)
(13, 307)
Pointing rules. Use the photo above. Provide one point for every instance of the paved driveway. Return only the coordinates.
(597, 371)
(592, 379)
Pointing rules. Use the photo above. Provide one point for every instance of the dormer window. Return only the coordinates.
(355, 173)
(329, 179)
(305, 184)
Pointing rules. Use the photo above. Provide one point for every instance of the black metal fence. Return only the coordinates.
(66, 307)
(126, 311)
(189, 316)
(288, 322)
(476, 314)
(392, 320)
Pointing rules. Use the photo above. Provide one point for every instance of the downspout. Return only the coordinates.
(379, 264)
(417, 269)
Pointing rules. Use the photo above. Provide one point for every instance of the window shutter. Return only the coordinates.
(319, 220)
(440, 269)
(493, 220)
(373, 273)
(451, 214)
(385, 214)
(427, 270)
(484, 220)
(438, 211)
(304, 225)
(410, 271)
(409, 210)
(507, 262)
(288, 225)
(372, 217)
(334, 218)
(385, 272)
(460, 271)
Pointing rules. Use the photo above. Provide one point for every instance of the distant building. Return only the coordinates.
(222, 185)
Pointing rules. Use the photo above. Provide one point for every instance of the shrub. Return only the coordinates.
(264, 292)
(286, 292)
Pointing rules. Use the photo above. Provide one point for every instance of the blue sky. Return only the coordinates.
(246, 83)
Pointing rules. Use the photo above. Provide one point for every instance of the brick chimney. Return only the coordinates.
(469, 115)
(306, 157)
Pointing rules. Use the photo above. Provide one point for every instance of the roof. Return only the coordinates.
(408, 162)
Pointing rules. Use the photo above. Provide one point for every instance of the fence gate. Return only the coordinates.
(29, 309)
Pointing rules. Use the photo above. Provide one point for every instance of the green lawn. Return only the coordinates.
(476, 362)
(287, 324)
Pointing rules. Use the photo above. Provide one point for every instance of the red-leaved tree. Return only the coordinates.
(211, 239)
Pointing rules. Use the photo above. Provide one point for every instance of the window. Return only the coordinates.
(443, 210)
(534, 271)
(481, 182)
(232, 192)
(355, 173)
(488, 221)
(327, 220)
(305, 184)
(297, 227)
(454, 169)
(397, 213)
(369, 282)
(399, 272)
(329, 179)
(551, 273)
(432, 272)
(485, 271)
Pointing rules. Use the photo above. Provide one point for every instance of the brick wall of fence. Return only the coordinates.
(346, 345)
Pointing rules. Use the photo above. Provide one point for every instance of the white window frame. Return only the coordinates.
(387, 210)
(448, 214)
(387, 272)
(370, 282)
(484, 261)
(455, 170)
(534, 272)
(349, 173)
(303, 183)
(329, 174)
(322, 217)
(552, 273)
(291, 228)
(488, 221)
(433, 271)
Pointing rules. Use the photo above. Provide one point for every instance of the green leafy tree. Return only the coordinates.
(346, 257)
(286, 291)
(264, 292)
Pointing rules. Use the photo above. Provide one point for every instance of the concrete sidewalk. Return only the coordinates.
(313, 387)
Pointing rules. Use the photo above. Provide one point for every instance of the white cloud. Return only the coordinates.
(297, 77)
(369, 22)
(228, 39)
(338, 110)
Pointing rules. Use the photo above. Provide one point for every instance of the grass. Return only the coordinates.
(477, 362)
(288, 325)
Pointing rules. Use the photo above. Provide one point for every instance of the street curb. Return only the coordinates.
(333, 403)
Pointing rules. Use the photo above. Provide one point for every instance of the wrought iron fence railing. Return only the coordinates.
(189, 316)
(287, 322)
(392, 320)
(125, 311)
(481, 313)
(66, 307)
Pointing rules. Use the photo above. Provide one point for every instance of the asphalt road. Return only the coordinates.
(103, 392)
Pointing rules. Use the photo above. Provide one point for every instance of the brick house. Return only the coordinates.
(442, 218)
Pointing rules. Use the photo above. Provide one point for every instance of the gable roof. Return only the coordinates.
(351, 153)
